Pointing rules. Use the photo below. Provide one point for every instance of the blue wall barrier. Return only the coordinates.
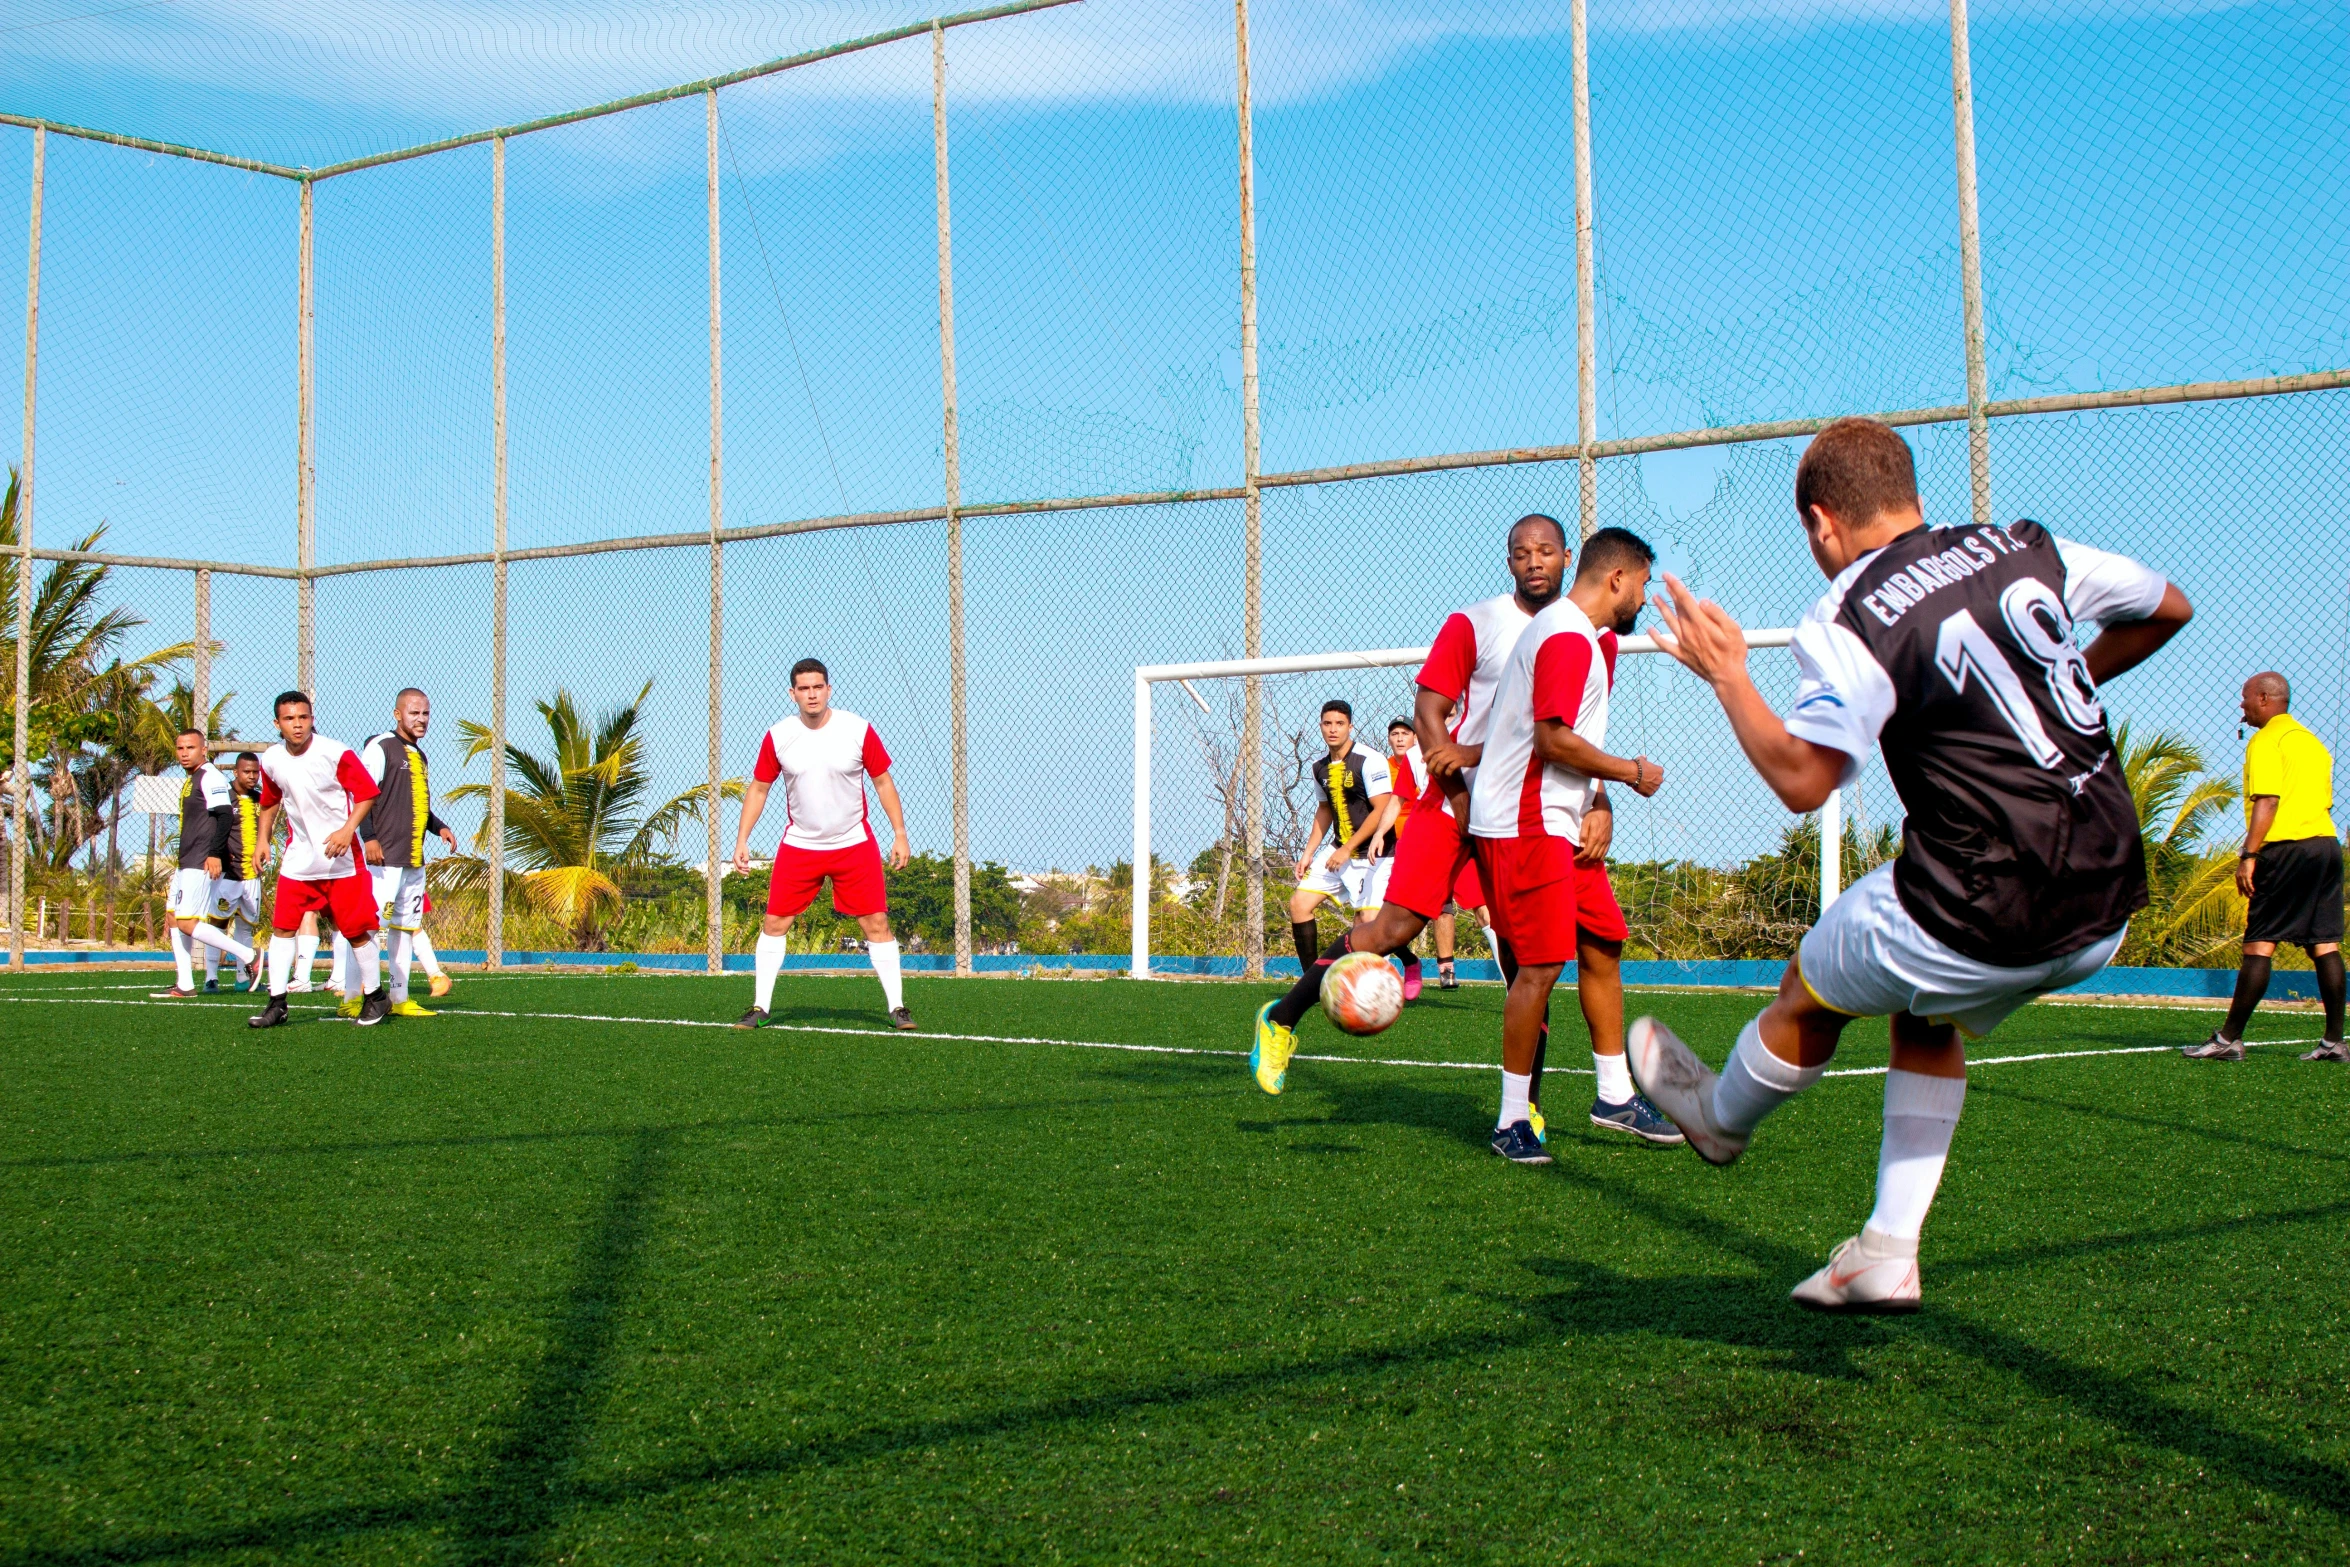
(2199, 984)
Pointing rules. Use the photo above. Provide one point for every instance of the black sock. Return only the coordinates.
(2329, 991)
(2251, 985)
(1308, 937)
(1541, 1049)
(1308, 989)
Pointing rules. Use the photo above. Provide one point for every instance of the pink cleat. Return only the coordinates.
(1411, 979)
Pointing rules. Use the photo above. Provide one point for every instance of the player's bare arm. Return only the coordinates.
(1381, 805)
(1703, 639)
(2264, 816)
(754, 801)
(2124, 645)
(901, 849)
(1383, 834)
(1322, 821)
(1556, 741)
(338, 842)
(1599, 831)
(1440, 753)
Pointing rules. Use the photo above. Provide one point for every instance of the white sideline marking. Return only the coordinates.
(1103, 1044)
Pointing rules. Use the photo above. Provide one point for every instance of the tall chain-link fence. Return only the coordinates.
(992, 357)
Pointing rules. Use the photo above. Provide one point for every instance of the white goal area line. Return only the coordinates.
(1149, 675)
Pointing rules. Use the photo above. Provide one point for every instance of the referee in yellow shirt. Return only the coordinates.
(2290, 870)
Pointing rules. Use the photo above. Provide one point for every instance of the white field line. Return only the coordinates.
(1101, 1044)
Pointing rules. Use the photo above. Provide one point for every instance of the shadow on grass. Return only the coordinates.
(2217, 1134)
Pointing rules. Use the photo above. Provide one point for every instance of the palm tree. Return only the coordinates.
(575, 817)
(2193, 912)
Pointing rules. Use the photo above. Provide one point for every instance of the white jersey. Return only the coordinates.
(1465, 664)
(823, 771)
(319, 789)
(1562, 667)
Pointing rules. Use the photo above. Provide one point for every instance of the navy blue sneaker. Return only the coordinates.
(1515, 1142)
(1637, 1116)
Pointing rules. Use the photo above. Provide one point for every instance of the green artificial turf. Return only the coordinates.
(517, 1288)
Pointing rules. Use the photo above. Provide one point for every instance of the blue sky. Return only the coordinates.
(2162, 196)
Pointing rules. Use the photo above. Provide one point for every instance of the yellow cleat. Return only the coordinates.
(350, 1007)
(1541, 1127)
(442, 984)
(1270, 1057)
(410, 1009)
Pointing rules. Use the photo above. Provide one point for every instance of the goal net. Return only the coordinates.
(1711, 867)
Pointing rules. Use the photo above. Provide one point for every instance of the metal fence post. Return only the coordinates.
(716, 915)
(1970, 267)
(200, 679)
(1252, 729)
(305, 485)
(21, 774)
(959, 720)
(494, 925)
(1586, 311)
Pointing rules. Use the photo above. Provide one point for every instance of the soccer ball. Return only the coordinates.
(1362, 993)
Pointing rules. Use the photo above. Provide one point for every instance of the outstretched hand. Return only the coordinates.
(1699, 634)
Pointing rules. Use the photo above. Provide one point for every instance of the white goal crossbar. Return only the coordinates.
(1148, 675)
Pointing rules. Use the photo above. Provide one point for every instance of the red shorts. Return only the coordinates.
(1468, 889)
(350, 900)
(858, 887)
(1432, 862)
(1542, 900)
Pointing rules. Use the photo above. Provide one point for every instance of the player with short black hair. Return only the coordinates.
(2021, 860)
(236, 896)
(207, 810)
(326, 793)
(1356, 802)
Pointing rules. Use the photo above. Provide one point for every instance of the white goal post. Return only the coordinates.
(1149, 675)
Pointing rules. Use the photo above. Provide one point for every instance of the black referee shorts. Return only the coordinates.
(2296, 893)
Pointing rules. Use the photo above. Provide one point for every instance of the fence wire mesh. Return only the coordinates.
(2160, 203)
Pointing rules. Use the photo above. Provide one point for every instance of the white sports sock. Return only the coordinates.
(182, 959)
(281, 962)
(767, 961)
(1755, 1082)
(214, 939)
(400, 940)
(203, 954)
(421, 944)
(885, 966)
(1517, 1089)
(1921, 1113)
(1615, 1077)
(367, 960)
(305, 954)
(345, 971)
(1492, 943)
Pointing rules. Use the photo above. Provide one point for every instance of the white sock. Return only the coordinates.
(421, 944)
(204, 955)
(367, 964)
(1755, 1082)
(214, 939)
(305, 955)
(1615, 1077)
(1921, 1113)
(182, 960)
(885, 966)
(1516, 1089)
(1492, 943)
(767, 961)
(344, 969)
(281, 961)
(400, 940)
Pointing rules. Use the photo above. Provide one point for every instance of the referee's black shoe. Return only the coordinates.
(269, 1016)
(375, 1008)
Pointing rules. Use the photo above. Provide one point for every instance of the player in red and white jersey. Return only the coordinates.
(1539, 819)
(325, 792)
(824, 757)
(1455, 693)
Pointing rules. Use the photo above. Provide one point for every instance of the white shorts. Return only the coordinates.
(399, 896)
(1867, 958)
(231, 898)
(191, 894)
(1361, 886)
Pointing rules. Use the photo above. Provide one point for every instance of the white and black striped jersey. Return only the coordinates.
(1348, 785)
(1954, 649)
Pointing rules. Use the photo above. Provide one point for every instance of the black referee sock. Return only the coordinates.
(1308, 989)
(1307, 937)
(2252, 984)
(1509, 976)
(2329, 991)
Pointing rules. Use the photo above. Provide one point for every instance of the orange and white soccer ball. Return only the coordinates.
(1362, 993)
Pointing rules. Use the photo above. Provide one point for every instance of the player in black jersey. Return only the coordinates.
(2021, 861)
(1357, 796)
